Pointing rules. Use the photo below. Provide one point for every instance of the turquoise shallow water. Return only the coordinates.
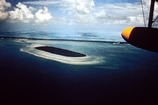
(123, 74)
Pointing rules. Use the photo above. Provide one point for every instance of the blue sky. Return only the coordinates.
(71, 13)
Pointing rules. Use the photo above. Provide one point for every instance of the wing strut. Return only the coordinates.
(151, 13)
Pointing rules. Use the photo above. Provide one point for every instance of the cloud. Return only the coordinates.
(43, 15)
(107, 18)
(120, 13)
(23, 13)
(45, 3)
(77, 12)
(87, 12)
(3, 6)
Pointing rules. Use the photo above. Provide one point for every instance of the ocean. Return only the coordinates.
(113, 71)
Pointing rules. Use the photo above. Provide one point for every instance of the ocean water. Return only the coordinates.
(121, 73)
(90, 35)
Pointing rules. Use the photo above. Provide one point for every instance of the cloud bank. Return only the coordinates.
(76, 12)
(23, 13)
(3, 6)
(87, 12)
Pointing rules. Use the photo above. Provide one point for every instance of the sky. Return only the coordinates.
(70, 13)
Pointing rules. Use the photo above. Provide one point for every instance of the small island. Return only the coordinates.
(59, 51)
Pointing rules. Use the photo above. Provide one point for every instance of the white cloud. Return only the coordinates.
(86, 12)
(3, 6)
(23, 13)
(45, 3)
(77, 12)
(117, 13)
(42, 15)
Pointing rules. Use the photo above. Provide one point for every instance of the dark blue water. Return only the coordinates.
(126, 75)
